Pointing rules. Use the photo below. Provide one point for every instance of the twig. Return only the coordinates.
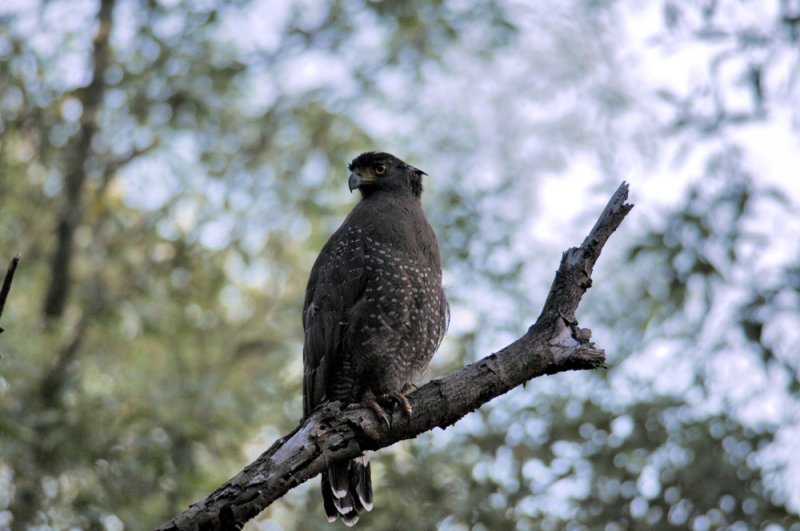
(12, 267)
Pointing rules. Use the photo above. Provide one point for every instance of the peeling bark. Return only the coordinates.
(553, 344)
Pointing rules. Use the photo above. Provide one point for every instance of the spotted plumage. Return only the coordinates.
(374, 310)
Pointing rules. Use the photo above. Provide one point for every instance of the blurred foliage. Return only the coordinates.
(169, 171)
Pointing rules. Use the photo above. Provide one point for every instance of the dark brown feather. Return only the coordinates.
(374, 310)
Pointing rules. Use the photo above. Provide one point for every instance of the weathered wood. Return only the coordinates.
(553, 344)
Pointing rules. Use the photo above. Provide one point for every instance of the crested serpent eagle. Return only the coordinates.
(374, 311)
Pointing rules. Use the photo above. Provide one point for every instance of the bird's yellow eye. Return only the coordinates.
(380, 169)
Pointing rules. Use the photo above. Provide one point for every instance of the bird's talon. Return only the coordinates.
(373, 404)
(399, 399)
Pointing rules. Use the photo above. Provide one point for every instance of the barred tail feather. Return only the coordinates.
(347, 489)
(361, 476)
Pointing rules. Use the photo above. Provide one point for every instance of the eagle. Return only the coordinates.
(374, 312)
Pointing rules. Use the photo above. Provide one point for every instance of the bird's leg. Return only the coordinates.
(371, 401)
(401, 399)
(396, 398)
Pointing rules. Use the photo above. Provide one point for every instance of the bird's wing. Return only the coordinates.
(335, 285)
(444, 319)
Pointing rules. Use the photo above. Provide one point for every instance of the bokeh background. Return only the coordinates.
(169, 171)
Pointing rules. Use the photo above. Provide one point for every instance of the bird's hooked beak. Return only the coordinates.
(360, 178)
(354, 181)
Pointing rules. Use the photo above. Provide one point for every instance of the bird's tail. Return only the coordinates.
(347, 489)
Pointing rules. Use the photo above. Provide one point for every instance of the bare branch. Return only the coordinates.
(553, 344)
(12, 268)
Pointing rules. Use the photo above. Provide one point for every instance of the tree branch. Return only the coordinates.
(553, 344)
(12, 268)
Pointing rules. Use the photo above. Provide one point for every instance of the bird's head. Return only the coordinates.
(381, 172)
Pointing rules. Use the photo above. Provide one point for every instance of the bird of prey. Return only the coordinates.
(374, 311)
